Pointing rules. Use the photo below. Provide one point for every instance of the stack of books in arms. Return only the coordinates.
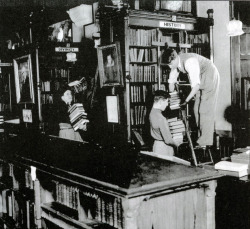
(177, 129)
(241, 155)
(174, 100)
(77, 115)
(232, 168)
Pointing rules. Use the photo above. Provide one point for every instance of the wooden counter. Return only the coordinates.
(115, 186)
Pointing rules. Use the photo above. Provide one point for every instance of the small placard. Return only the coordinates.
(112, 109)
(172, 25)
(5, 64)
(66, 49)
(27, 115)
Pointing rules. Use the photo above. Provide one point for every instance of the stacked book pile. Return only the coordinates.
(232, 168)
(241, 155)
(77, 115)
(174, 100)
(177, 129)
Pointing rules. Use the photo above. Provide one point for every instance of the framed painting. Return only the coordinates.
(27, 115)
(24, 80)
(109, 64)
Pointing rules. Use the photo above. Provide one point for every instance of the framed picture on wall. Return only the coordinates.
(27, 115)
(109, 64)
(24, 80)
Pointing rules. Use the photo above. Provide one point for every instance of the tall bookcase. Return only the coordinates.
(146, 35)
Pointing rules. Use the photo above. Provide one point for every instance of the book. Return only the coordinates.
(172, 119)
(77, 115)
(179, 130)
(176, 123)
(241, 173)
(242, 150)
(166, 157)
(230, 166)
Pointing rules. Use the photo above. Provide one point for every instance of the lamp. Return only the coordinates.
(234, 28)
(71, 57)
(81, 15)
(172, 5)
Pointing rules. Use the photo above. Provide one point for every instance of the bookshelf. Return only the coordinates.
(54, 70)
(17, 197)
(91, 194)
(146, 35)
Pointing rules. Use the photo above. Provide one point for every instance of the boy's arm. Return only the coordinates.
(172, 79)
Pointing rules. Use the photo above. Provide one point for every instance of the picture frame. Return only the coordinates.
(27, 115)
(109, 65)
(24, 79)
(112, 103)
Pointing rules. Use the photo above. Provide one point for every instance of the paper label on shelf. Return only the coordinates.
(66, 49)
(5, 64)
(164, 24)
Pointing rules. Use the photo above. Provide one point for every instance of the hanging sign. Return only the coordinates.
(66, 49)
(172, 25)
(5, 64)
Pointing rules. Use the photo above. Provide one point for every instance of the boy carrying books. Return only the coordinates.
(159, 127)
(71, 118)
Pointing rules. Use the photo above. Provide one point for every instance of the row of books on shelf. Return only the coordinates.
(143, 55)
(14, 177)
(12, 205)
(245, 93)
(138, 115)
(14, 181)
(58, 73)
(28, 180)
(140, 93)
(177, 129)
(109, 211)
(8, 203)
(181, 37)
(142, 37)
(145, 37)
(47, 99)
(164, 75)
(143, 73)
(4, 107)
(67, 195)
(48, 86)
(198, 50)
(77, 115)
(174, 101)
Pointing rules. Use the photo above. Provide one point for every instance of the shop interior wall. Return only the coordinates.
(221, 56)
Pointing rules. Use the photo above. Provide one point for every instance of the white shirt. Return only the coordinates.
(192, 68)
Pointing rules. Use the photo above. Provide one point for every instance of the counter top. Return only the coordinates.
(122, 169)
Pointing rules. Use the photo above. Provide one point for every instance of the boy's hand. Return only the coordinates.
(83, 126)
